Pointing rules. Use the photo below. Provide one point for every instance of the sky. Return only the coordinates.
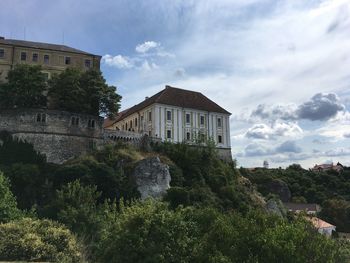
(281, 67)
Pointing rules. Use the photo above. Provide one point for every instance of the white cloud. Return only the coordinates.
(117, 61)
(147, 66)
(146, 46)
(276, 129)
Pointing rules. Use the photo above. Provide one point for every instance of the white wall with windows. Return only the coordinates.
(178, 124)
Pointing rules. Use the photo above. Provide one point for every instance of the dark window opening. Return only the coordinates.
(2, 53)
(135, 122)
(168, 115)
(35, 57)
(41, 117)
(202, 120)
(75, 121)
(150, 116)
(188, 118)
(219, 139)
(23, 56)
(91, 124)
(67, 61)
(46, 59)
(219, 122)
(188, 136)
(88, 63)
(168, 134)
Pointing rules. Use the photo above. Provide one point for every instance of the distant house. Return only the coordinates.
(322, 227)
(310, 209)
(328, 167)
(177, 115)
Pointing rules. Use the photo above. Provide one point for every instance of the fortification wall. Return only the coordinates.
(59, 135)
(51, 122)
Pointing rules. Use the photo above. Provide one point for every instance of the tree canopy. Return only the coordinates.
(72, 90)
(25, 88)
(85, 92)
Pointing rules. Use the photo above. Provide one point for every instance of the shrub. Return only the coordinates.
(8, 204)
(37, 240)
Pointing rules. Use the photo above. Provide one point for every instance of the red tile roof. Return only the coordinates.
(319, 223)
(177, 97)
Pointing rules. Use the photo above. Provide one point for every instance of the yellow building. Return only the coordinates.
(52, 58)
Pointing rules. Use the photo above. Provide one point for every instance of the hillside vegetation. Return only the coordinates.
(330, 189)
(210, 214)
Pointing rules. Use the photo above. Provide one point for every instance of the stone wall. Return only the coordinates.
(57, 134)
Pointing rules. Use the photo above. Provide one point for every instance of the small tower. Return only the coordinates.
(266, 164)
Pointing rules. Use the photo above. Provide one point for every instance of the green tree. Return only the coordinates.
(8, 204)
(65, 92)
(83, 92)
(37, 240)
(337, 212)
(75, 206)
(25, 88)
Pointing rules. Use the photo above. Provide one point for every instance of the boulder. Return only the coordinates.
(152, 177)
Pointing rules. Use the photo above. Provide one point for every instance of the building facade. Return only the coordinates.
(51, 57)
(178, 115)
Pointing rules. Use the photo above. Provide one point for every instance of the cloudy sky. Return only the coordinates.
(282, 67)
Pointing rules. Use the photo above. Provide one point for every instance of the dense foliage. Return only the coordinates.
(330, 189)
(85, 92)
(37, 240)
(209, 215)
(8, 205)
(153, 233)
(24, 88)
(200, 178)
(71, 90)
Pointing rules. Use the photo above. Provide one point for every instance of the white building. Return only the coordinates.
(178, 115)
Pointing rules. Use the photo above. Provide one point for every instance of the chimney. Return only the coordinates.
(146, 98)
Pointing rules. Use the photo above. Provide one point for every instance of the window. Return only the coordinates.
(35, 57)
(131, 124)
(135, 122)
(2, 53)
(123, 127)
(188, 118)
(219, 122)
(188, 136)
(168, 115)
(91, 124)
(67, 61)
(126, 126)
(150, 116)
(219, 139)
(23, 56)
(87, 63)
(202, 120)
(41, 117)
(46, 59)
(168, 134)
(75, 121)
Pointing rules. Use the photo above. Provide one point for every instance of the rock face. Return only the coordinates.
(275, 207)
(279, 188)
(152, 177)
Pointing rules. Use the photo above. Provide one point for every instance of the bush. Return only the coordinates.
(37, 240)
(8, 204)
